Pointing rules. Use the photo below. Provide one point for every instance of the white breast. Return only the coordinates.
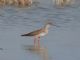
(43, 34)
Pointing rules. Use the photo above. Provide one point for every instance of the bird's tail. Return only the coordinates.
(24, 35)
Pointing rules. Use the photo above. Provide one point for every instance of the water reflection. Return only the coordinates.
(41, 52)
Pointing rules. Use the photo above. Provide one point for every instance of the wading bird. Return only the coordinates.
(38, 33)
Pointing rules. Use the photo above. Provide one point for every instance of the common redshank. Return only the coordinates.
(38, 33)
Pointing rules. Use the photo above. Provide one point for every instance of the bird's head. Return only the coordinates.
(47, 25)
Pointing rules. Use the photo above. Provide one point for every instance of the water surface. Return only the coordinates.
(62, 43)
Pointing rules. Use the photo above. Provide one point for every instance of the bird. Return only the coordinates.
(39, 33)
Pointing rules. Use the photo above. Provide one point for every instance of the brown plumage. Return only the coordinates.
(34, 33)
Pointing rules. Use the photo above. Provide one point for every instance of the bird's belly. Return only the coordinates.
(43, 34)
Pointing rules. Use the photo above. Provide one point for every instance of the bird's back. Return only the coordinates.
(34, 33)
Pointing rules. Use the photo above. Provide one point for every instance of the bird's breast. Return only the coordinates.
(42, 34)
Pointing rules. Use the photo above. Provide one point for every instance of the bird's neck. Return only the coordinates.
(46, 27)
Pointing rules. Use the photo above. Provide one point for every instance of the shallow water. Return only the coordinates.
(62, 42)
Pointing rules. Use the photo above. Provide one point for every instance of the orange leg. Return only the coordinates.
(34, 42)
(38, 42)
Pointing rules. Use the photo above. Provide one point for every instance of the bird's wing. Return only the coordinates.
(33, 33)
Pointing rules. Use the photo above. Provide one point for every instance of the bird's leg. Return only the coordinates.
(34, 42)
(38, 42)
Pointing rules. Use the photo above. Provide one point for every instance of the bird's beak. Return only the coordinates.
(56, 25)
